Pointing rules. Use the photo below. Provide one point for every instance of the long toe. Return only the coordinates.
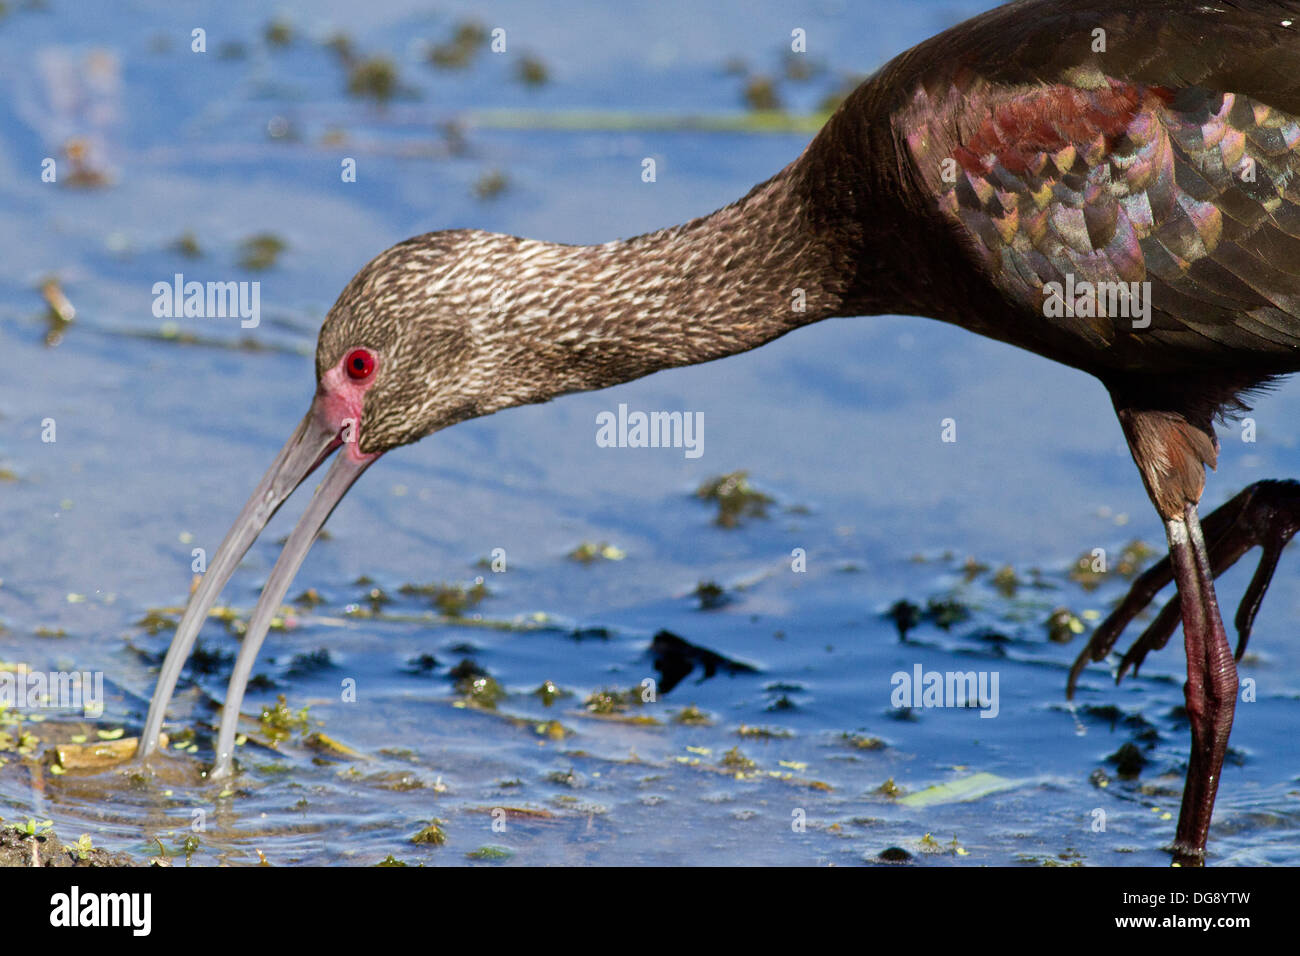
(1265, 514)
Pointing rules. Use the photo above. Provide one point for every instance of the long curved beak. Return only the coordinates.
(314, 440)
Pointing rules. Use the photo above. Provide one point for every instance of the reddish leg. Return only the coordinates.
(1266, 514)
(1211, 688)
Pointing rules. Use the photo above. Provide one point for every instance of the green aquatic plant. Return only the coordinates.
(279, 722)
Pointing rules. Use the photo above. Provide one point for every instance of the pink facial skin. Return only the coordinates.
(339, 398)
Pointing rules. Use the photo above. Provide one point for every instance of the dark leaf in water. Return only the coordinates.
(674, 658)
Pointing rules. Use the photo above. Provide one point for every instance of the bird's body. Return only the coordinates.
(1004, 176)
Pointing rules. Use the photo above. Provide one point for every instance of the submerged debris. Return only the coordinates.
(491, 184)
(945, 612)
(432, 835)
(86, 173)
(101, 754)
(452, 600)
(476, 685)
(549, 693)
(309, 598)
(905, 616)
(155, 622)
(586, 553)
(187, 245)
(1063, 625)
(260, 251)
(613, 701)
(377, 598)
(490, 854)
(735, 497)
(734, 760)
(692, 716)
(763, 733)
(889, 788)
(457, 53)
(531, 71)
(341, 45)
(798, 68)
(894, 854)
(278, 33)
(1006, 581)
(421, 664)
(374, 78)
(311, 662)
(1128, 760)
(60, 312)
(324, 744)
(552, 730)
(1090, 570)
(761, 95)
(711, 595)
(675, 657)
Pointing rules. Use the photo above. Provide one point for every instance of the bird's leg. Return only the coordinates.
(1265, 514)
(1211, 688)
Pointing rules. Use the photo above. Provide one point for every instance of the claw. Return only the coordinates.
(1254, 596)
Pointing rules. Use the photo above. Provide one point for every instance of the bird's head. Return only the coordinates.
(401, 353)
(415, 343)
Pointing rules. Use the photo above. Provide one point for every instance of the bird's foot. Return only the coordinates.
(1266, 513)
(1187, 856)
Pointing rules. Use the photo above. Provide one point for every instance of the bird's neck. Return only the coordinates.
(594, 316)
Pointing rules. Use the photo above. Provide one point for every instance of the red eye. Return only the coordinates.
(360, 364)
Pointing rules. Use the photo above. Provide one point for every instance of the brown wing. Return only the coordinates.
(1172, 158)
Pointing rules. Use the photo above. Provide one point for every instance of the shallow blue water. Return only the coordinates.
(159, 443)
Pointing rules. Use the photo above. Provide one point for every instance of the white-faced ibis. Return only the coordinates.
(1005, 176)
